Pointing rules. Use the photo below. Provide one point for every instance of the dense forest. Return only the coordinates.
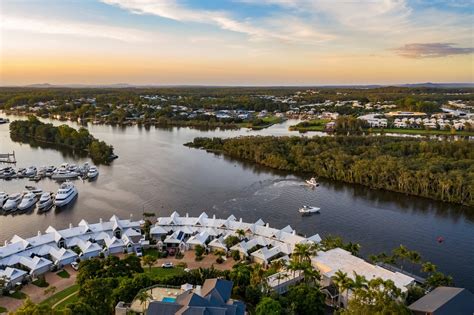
(441, 170)
(33, 130)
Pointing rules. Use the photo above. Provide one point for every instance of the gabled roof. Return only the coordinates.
(61, 254)
(224, 287)
(451, 300)
(88, 247)
(315, 238)
(113, 242)
(287, 229)
(35, 263)
(201, 220)
(158, 230)
(199, 239)
(12, 273)
(260, 222)
(218, 242)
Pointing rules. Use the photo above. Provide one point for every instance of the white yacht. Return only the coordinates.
(49, 171)
(12, 202)
(30, 171)
(37, 191)
(312, 182)
(93, 172)
(64, 174)
(7, 173)
(66, 193)
(308, 210)
(28, 201)
(45, 201)
(3, 198)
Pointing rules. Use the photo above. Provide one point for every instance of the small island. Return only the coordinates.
(34, 131)
(427, 168)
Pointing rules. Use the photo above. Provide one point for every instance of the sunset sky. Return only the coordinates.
(236, 42)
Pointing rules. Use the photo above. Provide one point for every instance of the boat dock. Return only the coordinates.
(8, 158)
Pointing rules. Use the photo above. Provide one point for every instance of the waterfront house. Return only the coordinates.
(280, 282)
(198, 239)
(88, 249)
(217, 244)
(36, 265)
(62, 256)
(12, 276)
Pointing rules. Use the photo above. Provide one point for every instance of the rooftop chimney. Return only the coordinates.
(267, 225)
(187, 214)
(70, 225)
(39, 233)
(6, 242)
(100, 220)
(240, 220)
(197, 290)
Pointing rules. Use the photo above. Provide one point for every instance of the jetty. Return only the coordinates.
(8, 158)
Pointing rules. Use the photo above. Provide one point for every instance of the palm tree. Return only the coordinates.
(359, 282)
(240, 233)
(277, 264)
(303, 252)
(257, 274)
(311, 275)
(279, 276)
(293, 266)
(414, 257)
(342, 281)
(143, 297)
(401, 253)
(428, 267)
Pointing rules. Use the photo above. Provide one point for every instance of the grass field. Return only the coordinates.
(55, 298)
(67, 301)
(310, 125)
(3, 310)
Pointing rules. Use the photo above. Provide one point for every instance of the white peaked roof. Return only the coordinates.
(158, 230)
(88, 247)
(35, 263)
(260, 222)
(199, 239)
(287, 229)
(218, 242)
(265, 254)
(231, 218)
(212, 231)
(201, 220)
(173, 238)
(12, 273)
(113, 242)
(102, 236)
(131, 232)
(329, 262)
(61, 254)
(18, 239)
(315, 239)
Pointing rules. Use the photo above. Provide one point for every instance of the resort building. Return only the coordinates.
(331, 261)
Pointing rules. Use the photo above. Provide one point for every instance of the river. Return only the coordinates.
(156, 173)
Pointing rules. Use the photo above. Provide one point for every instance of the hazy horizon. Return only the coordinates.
(236, 42)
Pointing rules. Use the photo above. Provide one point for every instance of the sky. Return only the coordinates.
(236, 42)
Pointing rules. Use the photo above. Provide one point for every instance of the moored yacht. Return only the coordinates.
(66, 193)
(37, 191)
(12, 202)
(64, 174)
(28, 201)
(45, 201)
(93, 172)
(30, 171)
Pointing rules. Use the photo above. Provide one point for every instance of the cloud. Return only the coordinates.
(431, 50)
(171, 9)
(60, 27)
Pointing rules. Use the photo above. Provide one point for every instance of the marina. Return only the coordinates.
(171, 176)
(63, 172)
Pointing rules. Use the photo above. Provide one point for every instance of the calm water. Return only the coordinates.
(157, 173)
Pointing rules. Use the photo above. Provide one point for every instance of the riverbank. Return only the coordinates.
(433, 169)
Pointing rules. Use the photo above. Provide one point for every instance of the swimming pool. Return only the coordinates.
(169, 299)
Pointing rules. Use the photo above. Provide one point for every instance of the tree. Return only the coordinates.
(235, 255)
(268, 306)
(306, 300)
(97, 293)
(143, 297)
(240, 233)
(78, 308)
(231, 241)
(199, 251)
(149, 261)
(303, 252)
(428, 267)
(30, 308)
(343, 283)
(414, 293)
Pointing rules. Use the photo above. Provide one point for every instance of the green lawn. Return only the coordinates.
(151, 252)
(67, 301)
(310, 125)
(18, 295)
(63, 274)
(158, 272)
(42, 283)
(3, 310)
(55, 298)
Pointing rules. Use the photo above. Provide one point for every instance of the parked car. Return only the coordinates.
(167, 265)
(139, 252)
(75, 265)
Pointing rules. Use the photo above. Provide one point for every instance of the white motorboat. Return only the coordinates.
(308, 210)
(312, 182)
(66, 193)
(7, 173)
(12, 202)
(30, 171)
(3, 198)
(64, 174)
(28, 201)
(45, 201)
(49, 171)
(93, 172)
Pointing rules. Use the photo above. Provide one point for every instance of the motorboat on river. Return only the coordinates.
(3, 198)
(65, 171)
(312, 182)
(66, 193)
(37, 191)
(307, 210)
(30, 171)
(28, 201)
